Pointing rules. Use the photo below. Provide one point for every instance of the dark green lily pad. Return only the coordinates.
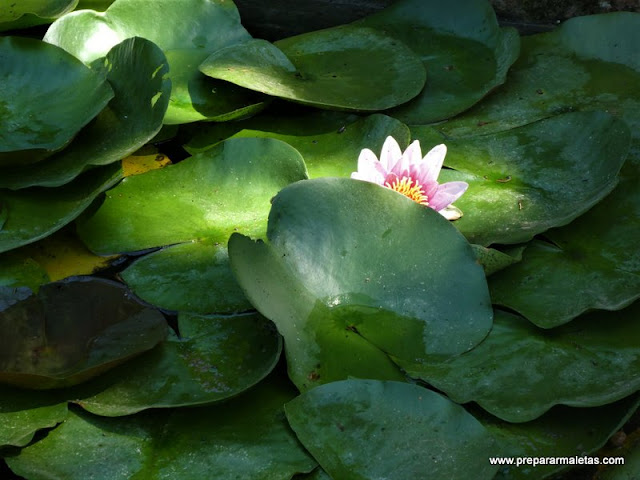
(72, 331)
(553, 285)
(13, 10)
(353, 271)
(136, 70)
(529, 179)
(37, 212)
(366, 429)
(588, 63)
(519, 371)
(216, 358)
(47, 96)
(494, 260)
(344, 68)
(246, 438)
(465, 52)
(329, 143)
(190, 277)
(186, 31)
(22, 413)
(561, 432)
(593, 263)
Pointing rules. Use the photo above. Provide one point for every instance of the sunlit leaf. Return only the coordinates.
(47, 96)
(186, 31)
(136, 69)
(465, 52)
(343, 68)
(329, 142)
(526, 180)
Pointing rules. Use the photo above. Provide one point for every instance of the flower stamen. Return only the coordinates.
(409, 188)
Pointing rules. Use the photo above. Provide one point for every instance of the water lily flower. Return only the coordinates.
(412, 175)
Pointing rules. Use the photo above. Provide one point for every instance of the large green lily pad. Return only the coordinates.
(214, 359)
(189, 277)
(23, 413)
(561, 432)
(13, 10)
(529, 179)
(519, 371)
(204, 199)
(136, 70)
(366, 429)
(593, 263)
(34, 213)
(207, 196)
(72, 331)
(588, 63)
(247, 438)
(329, 142)
(465, 52)
(345, 68)
(353, 271)
(47, 96)
(186, 31)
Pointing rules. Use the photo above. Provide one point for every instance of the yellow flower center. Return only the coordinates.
(409, 188)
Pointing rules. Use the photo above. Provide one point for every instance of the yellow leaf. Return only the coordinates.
(145, 159)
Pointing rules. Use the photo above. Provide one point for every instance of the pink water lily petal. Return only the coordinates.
(430, 167)
(369, 168)
(411, 156)
(446, 194)
(390, 153)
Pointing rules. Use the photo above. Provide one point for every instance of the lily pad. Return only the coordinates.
(201, 198)
(247, 438)
(47, 96)
(330, 144)
(71, 331)
(344, 68)
(332, 279)
(23, 413)
(42, 8)
(204, 199)
(561, 432)
(553, 285)
(588, 63)
(189, 277)
(519, 372)
(366, 429)
(465, 52)
(186, 31)
(37, 212)
(593, 263)
(216, 358)
(529, 179)
(136, 70)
